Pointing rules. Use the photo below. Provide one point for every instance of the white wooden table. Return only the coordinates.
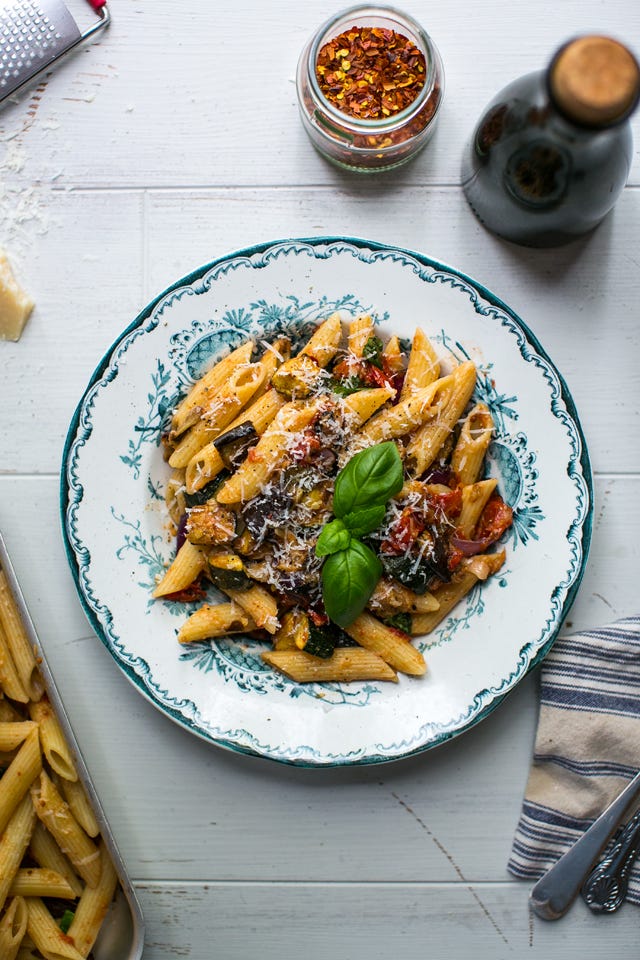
(171, 141)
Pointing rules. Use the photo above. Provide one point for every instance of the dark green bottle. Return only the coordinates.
(551, 154)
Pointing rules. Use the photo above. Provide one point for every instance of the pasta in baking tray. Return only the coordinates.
(58, 879)
(336, 499)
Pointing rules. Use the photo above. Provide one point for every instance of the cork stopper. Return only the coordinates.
(595, 81)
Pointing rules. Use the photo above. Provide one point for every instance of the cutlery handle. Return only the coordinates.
(554, 893)
(606, 887)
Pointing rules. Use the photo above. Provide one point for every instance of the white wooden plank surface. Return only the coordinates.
(172, 141)
(178, 94)
(414, 922)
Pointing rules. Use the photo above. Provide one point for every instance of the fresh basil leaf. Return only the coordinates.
(347, 386)
(364, 521)
(334, 537)
(321, 641)
(66, 920)
(401, 621)
(417, 570)
(369, 478)
(349, 578)
(372, 351)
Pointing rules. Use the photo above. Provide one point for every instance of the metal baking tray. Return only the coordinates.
(122, 934)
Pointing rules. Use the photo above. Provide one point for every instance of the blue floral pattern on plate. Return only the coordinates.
(115, 532)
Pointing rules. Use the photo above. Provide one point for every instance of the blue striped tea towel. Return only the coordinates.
(587, 744)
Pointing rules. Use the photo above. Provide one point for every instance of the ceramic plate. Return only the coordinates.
(115, 525)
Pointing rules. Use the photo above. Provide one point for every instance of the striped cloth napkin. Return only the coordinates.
(587, 744)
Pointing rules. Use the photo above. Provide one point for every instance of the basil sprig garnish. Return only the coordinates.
(372, 351)
(335, 536)
(351, 569)
(348, 580)
(369, 479)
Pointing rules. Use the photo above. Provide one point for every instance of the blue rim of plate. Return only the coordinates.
(373, 246)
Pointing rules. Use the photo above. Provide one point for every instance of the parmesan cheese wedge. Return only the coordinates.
(15, 304)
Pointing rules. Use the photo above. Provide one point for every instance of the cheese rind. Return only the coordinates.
(15, 304)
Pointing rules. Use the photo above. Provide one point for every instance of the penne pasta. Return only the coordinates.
(345, 665)
(46, 934)
(188, 410)
(392, 645)
(360, 331)
(261, 606)
(13, 927)
(266, 532)
(448, 596)
(52, 740)
(207, 462)
(40, 882)
(392, 356)
(55, 815)
(471, 447)
(423, 366)
(215, 621)
(93, 906)
(474, 500)
(222, 407)
(12, 734)
(363, 404)
(188, 564)
(75, 795)
(324, 343)
(9, 677)
(19, 776)
(39, 785)
(14, 841)
(269, 453)
(274, 355)
(403, 418)
(18, 643)
(428, 440)
(48, 855)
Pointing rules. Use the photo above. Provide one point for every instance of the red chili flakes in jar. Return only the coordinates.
(370, 73)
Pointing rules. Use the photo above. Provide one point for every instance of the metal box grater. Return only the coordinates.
(34, 34)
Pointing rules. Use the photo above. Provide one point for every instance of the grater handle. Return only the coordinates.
(100, 7)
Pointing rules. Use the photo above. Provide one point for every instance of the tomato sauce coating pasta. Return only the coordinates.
(253, 500)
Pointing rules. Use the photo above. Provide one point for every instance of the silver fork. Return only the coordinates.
(606, 886)
(554, 893)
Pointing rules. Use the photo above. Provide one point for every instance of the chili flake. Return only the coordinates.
(371, 73)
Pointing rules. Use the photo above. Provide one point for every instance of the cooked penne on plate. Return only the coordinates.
(333, 518)
(415, 324)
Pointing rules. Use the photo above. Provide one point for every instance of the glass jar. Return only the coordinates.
(369, 145)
